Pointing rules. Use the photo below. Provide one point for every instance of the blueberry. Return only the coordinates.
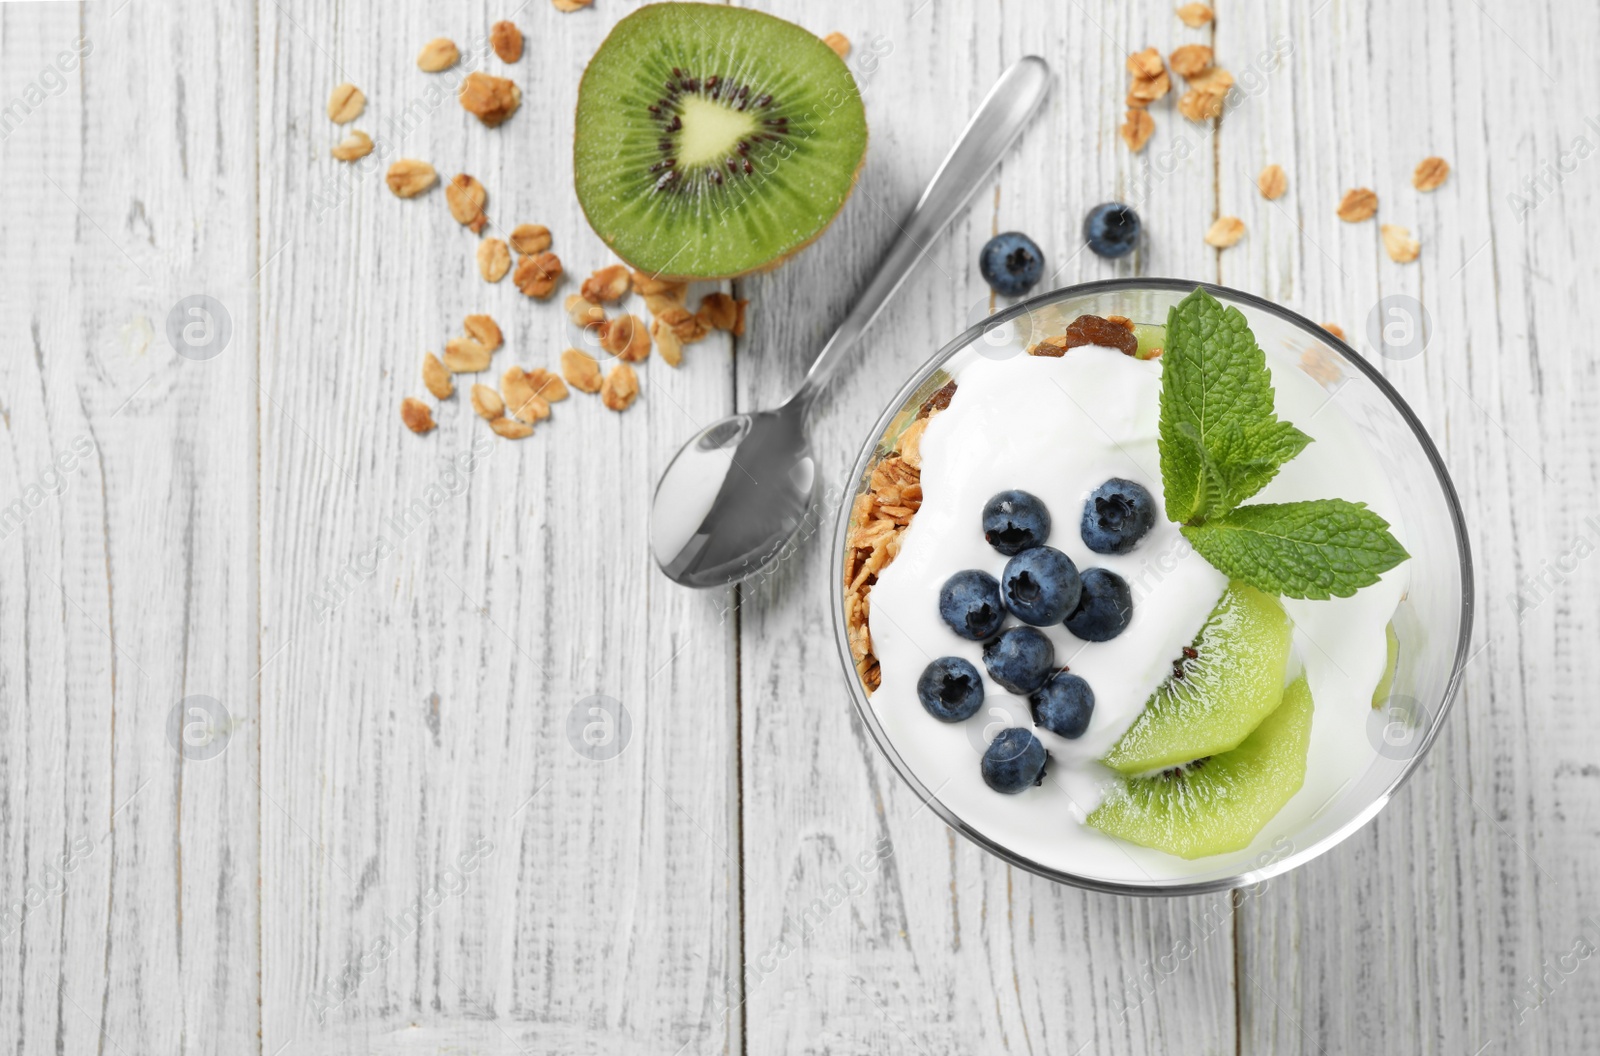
(1014, 761)
(1040, 586)
(1116, 516)
(951, 689)
(1104, 607)
(1063, 705)
(1020, 659)
(1014, 521)
(1011, 263)
(1111, 229)
(970, 603)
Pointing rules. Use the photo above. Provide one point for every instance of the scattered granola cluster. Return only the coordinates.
(524, 396)
(1208, 84)
(1361, 203)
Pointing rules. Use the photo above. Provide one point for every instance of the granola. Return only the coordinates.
(494, 260)
(416, 415)
(463, 355)
(877, 525)
(1399, 244)
(490, 99)
(1430, 173)
(1272, 182)
(353, 147)
(345, 104)
(1227, 231)
(1190, 60)
(511, 428)
(530, 239)
(466, 196)
(537, 276)
(719, 311)
(409, 177)
(506, 39)
(620, 388)
(487, 403)
(583, 312)
(1358, 205)
(667, 342)
(484, 330)
(1138, 128)
(626, 337)
(522, 396)
(606, 285)
(437, 378)
(581, 370)
(438, 54)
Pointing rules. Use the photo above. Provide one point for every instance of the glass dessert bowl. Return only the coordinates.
(1197, 731)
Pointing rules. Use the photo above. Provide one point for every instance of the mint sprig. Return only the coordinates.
(1222, 441)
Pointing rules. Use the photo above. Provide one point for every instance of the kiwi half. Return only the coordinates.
(1219, 804)
(713, 141)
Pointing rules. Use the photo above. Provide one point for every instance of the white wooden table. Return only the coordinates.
(394, 844)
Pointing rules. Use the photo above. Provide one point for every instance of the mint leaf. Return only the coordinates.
(1318, 549)
(1221, 440)
(1247, 459)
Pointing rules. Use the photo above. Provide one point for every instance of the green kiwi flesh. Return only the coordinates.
(1380, 695)
(1218, 695)
(712, 141)
(1220, 804)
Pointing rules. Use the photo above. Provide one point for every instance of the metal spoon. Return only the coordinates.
(740, 489)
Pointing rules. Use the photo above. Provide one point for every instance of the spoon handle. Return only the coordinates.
(999, 119)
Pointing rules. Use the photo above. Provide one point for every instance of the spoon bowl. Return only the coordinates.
(732, 497)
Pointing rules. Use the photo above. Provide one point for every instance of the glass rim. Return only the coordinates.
(1155, 887)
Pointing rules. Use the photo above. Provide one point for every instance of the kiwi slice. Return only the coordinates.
(1220, 804)
(1380, 695)
(1221, 687)
(1152, 340)
(712, 141)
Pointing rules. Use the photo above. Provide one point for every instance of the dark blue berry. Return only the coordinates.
(1040, 586)
(1111, 229)
(1104, 607)
(1014, 761)
(970, 603)
(951, 689)
(1015, 520)
(1063, 705)
(1116, 516)
(1020, 659)
(1011, 263)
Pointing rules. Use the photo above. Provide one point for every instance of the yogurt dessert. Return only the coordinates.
(1122, 604)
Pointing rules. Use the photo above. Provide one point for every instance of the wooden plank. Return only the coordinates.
(128, 582)
(431, 705)
(941, 947)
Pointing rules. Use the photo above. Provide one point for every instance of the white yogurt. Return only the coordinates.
(1059, 428)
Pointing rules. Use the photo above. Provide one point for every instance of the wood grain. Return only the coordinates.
(132, 588)
(429, 710)
(399, 838)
